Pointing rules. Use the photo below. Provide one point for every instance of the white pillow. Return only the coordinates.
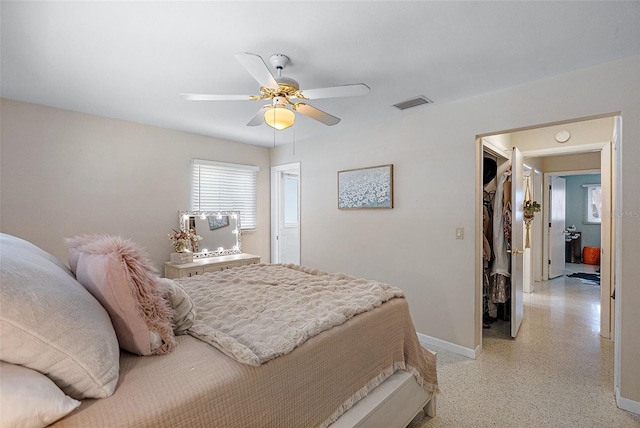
(184, 311)
(51, 324)
(30, 399)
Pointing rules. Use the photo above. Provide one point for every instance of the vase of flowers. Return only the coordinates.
(183, 241)
(180, 241)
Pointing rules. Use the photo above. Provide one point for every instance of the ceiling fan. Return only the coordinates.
(282, 92)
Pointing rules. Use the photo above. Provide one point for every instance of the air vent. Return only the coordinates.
(413, 102)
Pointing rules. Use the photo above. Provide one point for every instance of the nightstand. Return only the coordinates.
(208, 264)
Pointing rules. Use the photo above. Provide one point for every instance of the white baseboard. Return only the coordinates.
(626, 404)
(461, 350)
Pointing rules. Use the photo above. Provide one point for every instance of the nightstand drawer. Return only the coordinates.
(191, 272)
(208, 264)
(219, 267)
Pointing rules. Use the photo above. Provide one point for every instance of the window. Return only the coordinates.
(290, 200)
(594, 203)
(218, 186)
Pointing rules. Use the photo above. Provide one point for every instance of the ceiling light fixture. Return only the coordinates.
(563, 136)
(280, 113)
(279, 116)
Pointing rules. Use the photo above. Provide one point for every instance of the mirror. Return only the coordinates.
(220, 231)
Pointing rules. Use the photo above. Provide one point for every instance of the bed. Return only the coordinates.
(367, 371)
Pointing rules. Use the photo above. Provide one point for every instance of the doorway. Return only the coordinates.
(609, 161)
(285, 213)
(573, 240)
(504, 242)
(556, 211)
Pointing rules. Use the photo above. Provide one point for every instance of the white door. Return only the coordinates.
(557, 211)
(517, 242)
(285, 213)
(606, 226)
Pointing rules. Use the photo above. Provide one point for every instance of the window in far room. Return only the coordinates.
(594, 203)
(220, 186)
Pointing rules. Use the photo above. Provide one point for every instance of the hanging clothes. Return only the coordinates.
(490, 310)
(500, 271)
(501, 263)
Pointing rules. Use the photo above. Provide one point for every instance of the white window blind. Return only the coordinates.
(218, 186)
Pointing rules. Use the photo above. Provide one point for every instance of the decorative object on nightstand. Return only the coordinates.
(181, 258)
(184, 241)
(530, 208)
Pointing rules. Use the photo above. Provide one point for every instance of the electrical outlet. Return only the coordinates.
(459, 232)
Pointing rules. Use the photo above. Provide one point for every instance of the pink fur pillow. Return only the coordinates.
(121, 277)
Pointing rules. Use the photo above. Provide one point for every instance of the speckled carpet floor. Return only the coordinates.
(557, 373)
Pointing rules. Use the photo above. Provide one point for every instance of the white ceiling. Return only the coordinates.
(131, 60)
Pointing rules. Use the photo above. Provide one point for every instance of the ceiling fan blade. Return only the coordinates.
(356, 89)
(258, 119)
(212, 97)
(256, 66)
(316, 114)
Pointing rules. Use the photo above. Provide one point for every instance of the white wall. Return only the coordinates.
(65, 173)
(433, 151)
(582, 132)
(579, 162)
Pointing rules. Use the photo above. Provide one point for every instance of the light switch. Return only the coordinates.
(459, 232)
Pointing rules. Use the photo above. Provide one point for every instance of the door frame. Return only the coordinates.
(276, 199)
(616, 179)
(545, 223)
(481, 145)
(609, 226)
(607, 324)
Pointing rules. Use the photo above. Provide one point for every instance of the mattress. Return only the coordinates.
(199, 386)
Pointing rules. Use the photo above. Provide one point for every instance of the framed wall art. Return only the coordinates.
(218, 222)
(366, 188)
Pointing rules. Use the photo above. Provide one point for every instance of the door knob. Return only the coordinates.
(515, 251)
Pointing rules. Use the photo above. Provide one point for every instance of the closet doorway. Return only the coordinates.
(503, 237)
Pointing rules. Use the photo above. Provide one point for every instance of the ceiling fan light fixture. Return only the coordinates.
(279, 117)
(281, 90)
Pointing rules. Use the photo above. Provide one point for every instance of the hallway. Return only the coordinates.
(557, 373)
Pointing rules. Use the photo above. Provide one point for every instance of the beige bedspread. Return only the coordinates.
(261, 311)
(198, 386)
